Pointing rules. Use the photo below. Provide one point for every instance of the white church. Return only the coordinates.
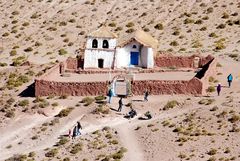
(104, 51)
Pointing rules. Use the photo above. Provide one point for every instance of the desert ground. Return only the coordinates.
(182, 127)
(37, 34)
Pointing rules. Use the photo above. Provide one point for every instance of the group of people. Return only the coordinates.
(76, 131)
(120, 102)
(229, 80)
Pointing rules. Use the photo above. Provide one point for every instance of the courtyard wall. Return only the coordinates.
(159, 87)
(195, 86)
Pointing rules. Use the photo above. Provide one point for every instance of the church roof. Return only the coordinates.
(141, 37)
(103, 32)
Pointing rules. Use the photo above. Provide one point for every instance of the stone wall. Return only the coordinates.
(174, 61)
(195, 86)
(211, 71)
(159, 87)
(46, 88)
(181, 61)
(205, 60)
(72, 63)
(55, 68)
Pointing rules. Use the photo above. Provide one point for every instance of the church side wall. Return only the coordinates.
(150, 58)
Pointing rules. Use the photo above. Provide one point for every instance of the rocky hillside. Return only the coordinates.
(46, 30)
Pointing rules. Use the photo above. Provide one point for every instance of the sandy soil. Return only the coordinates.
(74, 77)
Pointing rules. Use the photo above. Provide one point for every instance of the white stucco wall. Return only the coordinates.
(150, 59)
(123, 54)
(91, 58)
(144, 57)
(112, 42)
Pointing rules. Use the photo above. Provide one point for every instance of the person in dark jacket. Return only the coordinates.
(146, 94)
(74, 132)
(120, 103)
(110, 95)
(229, 79)
(219, 88)
(79, 126)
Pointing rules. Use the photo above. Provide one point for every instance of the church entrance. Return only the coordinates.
(134, 58)
(100, 63)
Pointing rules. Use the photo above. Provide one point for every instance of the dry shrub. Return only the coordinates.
(87, 101)
(52, 153)
(211, 89)
(170, 104)
(206, 101)
(65, 112)
(76, 148)
(102, 109)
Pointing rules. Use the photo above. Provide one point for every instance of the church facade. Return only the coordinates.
(104, 50)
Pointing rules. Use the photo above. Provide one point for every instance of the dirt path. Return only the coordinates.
(124, 126)
(130, 142)
(23, 133)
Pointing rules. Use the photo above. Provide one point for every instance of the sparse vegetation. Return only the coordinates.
(206, 101)
(211, 89)
(158, 26)
(87, 101)
(76, 148)
(65, 112)
(170, 104)
(52, 153)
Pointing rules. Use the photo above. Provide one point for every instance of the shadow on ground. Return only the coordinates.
(28, 92)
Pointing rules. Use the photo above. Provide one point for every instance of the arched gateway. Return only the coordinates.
(121, 86)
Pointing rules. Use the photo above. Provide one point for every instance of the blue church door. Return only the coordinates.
(134, 58)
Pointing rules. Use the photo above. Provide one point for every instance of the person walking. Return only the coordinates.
(69, 133)
(219, 87)
(146, 93)
(120, 103)
(79, 126)
(110, 95)
(230, 79)
(74, 132)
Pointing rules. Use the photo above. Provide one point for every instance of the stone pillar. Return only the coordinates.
(61, 68)
(196, 62)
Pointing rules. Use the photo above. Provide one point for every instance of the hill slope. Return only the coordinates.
(41, 28)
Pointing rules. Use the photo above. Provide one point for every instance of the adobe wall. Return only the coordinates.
(46, 88)
(72, 63)
(195, 86)
(55, 68)
(159, 87)
(160, 61)
(211, 71)
(174, 61)
(205, 60)
(181, 61)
